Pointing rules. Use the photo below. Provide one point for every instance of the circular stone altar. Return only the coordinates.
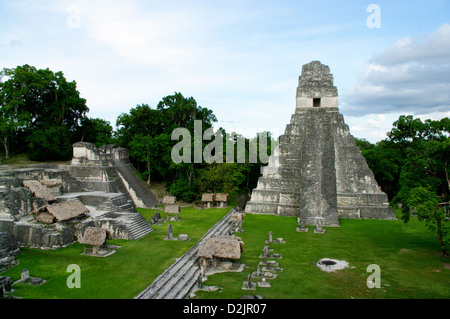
(328, 264)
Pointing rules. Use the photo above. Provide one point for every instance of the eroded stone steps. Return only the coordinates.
(141, 189)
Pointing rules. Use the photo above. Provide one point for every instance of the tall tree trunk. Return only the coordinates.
(5, 143)
(446, 174)
(441, 240)
(148, 167)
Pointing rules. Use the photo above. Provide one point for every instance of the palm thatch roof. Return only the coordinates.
(222, 197)
(93, 236)
(208, 197)
(39, 190)
(228, 247)
(60, 211)
(168, 200)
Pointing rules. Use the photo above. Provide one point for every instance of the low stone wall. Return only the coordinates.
(35, 236)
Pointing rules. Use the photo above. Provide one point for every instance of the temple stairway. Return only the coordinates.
(319, 172)
(135, 185)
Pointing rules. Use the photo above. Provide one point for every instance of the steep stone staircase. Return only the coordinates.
(119, 203)
(177, 280)
(136, 184)
(131, 224)
(139, 227)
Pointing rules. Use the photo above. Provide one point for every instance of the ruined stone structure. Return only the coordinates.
(50, 206)
(318, 172)
(220, 252)
(108, 169)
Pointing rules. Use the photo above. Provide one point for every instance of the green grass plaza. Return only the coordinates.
(408, 257)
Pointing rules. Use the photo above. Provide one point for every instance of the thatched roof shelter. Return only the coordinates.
(93, 236)
(228, 247)
(39, 190)
(207, 197)
(220, 197)
(169, 200)
(60, 211)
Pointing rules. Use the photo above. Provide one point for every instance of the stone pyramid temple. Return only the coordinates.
(318, 172)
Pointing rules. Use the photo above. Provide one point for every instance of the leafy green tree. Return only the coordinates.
(220, 177)
(140, 120)
(147, 133)
(52, 143)
(96, 130)
(424, 182)
(429, 209)
(385, 159)
(364, 144)
(179, 111)
(140, 148)
(36, 103)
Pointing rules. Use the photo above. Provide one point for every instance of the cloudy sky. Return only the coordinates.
(242, 59)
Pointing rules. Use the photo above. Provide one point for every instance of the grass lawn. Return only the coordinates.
(408, 256)
(122, 275)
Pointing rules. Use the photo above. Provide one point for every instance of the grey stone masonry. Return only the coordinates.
(109, 169)
(318, 171)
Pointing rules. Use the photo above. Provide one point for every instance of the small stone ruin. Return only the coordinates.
(222, 199)
(49, 206)
(220, 253)
(207, 200)
(95, 241)
(169, 200)
(172, 212)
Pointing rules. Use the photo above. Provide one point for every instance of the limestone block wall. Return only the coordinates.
(34, 236)
(88, 154)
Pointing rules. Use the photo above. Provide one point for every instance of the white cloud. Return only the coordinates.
(413, 75)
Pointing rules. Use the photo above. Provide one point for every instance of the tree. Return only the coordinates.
(385, 159)
(36, 103)
(428, 208)
(140, 120)
(140, 148)
(424, 182)
(147, 133)
(220, 177)
(96, 130)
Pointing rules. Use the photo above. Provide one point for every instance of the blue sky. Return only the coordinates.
(242, 59)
